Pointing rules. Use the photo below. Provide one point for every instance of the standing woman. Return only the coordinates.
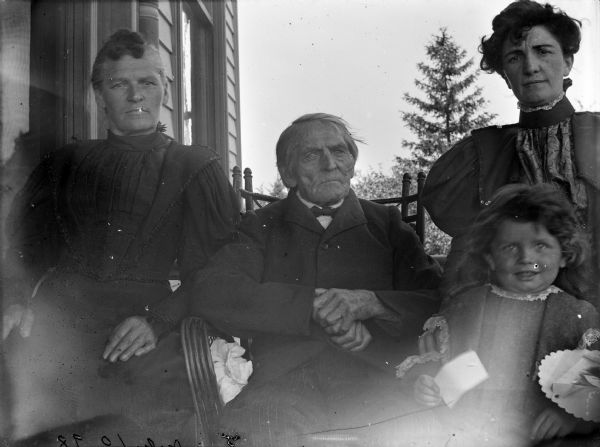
(94, 235)
(532, 47)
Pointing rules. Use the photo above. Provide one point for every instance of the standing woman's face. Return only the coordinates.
(534, 68)
(131, 94)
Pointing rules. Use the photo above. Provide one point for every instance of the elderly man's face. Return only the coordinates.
(534, 68)
(131, 94)
(323, 164)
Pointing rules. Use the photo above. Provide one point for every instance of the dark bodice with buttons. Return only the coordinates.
(109, 194)
(124, 208)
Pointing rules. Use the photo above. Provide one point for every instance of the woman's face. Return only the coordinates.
(524, 257)
(131, 94)
(534, 68)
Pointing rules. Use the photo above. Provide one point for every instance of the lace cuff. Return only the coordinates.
(436, 328)
(588, 338)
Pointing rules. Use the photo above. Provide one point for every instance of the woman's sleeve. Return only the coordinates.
(32, 234)
(211, 215)
(416, 278)
(566, 319)
(232, 295)
(451, 193)
(210, 218)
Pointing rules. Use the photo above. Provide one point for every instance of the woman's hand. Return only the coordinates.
(17, 316)
(553, 422)
(134, 336)
(427, 392)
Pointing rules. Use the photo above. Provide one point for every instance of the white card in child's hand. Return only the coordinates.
(459, 375)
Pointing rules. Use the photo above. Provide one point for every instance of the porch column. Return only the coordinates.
(148, 24)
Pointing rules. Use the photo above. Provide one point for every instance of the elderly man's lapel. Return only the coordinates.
(349, 215)
(297, 213)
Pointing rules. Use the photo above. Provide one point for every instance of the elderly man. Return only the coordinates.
(328, 286)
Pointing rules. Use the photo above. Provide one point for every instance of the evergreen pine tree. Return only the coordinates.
(452, 104)
(278, 189)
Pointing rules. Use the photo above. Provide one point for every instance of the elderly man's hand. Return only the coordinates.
(355, 339)
(336, 309)
(17, 316)
(134, 336)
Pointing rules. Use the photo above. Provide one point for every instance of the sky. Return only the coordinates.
(356, 59)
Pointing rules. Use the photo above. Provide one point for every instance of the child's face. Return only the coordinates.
(524, 257)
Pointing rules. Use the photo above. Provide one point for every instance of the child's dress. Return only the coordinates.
(511, 335)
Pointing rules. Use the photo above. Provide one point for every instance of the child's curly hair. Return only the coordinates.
(542, 204)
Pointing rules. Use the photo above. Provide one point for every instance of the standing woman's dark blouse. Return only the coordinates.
(462, 181)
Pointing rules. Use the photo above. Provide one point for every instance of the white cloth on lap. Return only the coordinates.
(231, 369)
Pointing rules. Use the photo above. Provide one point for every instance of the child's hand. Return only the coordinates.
(553, 422)
(427, 392)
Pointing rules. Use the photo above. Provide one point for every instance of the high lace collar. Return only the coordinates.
(549, 106)
(147, 142)
(539, 296)
(544, 118)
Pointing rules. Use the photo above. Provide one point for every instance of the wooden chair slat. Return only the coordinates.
(252, 200)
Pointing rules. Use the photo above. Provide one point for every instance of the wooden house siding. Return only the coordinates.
(215, 76)
(166, 29)
(232, 84)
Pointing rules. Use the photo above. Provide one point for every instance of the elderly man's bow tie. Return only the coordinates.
(325, 211)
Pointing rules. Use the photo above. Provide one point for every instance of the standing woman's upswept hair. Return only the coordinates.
(518, 18)
(542, 204)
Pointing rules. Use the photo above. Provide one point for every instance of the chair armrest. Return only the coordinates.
(196, 337)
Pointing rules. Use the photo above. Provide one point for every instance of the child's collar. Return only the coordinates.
(539, 296)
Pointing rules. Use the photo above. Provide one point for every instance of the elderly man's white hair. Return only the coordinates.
(295, 130)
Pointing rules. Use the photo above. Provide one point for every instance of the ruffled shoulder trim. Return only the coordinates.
(191, 159)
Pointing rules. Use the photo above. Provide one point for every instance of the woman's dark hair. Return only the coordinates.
(542, 204)
(122, 43)
(518, 18)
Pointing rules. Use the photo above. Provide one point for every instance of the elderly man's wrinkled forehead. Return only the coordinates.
(318, 132)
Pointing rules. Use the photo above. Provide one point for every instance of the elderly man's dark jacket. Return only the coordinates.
(264, 286)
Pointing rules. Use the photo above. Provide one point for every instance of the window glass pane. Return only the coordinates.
(187, 78)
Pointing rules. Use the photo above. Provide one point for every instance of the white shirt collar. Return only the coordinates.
(310, 204)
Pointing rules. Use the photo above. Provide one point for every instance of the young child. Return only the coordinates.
(523, 245)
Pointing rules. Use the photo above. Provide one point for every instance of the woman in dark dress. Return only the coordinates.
(94, 235)
(532, 47)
